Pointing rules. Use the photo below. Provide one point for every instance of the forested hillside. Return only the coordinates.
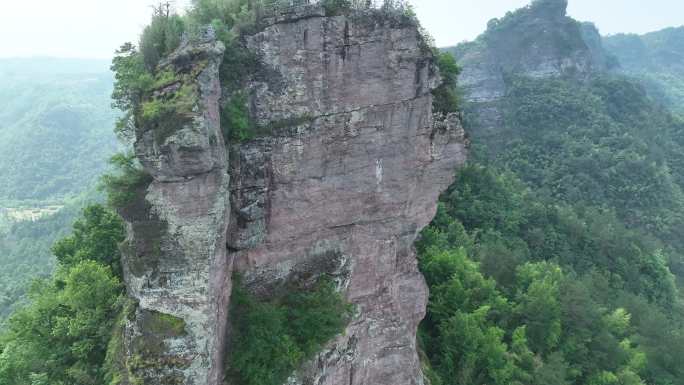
(55, 126)
(657, 59)
(55, 140)
(555, 258)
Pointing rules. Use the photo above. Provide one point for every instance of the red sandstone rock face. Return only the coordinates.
(349, 175)
(345, 189)
(175, 264)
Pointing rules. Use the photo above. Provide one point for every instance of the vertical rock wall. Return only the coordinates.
(175, 262)
(349, 174)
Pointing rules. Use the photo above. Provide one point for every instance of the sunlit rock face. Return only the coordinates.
(348, 175)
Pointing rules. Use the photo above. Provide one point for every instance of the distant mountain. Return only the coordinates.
(657, 58)
(542, 90)
(55, 126)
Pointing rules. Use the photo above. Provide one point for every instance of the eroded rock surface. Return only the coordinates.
(175, 262)
(349, 175)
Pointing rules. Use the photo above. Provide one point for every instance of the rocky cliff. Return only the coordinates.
(348, 174)
(175, 263)
(537, 41)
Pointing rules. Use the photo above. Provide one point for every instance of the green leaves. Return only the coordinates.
(271, 338)
(61, 335)
(160, 37)
(96, 236)
(600, 142)
(524, 291)
(472, 351)
(123, 185)
(538, 300)
(446, 99)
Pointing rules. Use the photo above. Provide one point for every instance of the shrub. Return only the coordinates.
(272, 338)
(235, 120)
(122, 186)
(336, 7)
(446, 99)
(131, 82)
(168, 113)
(96, 236)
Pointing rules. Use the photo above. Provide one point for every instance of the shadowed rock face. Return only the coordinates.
(175, 261)
(350, 174)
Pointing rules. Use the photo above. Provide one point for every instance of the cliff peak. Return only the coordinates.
(539, 40)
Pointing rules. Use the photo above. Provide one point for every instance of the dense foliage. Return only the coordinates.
(271, 338)
(122, 184)
(95, 236)
(446, 99)
(55, 137)
(60, 337)
(526, 290)
(656, 59)
(556, 255)
(25, 254)
(602, 143)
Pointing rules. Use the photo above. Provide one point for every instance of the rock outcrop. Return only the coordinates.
(344, 186)
(348, 175)
(175, 263)
(537, 41)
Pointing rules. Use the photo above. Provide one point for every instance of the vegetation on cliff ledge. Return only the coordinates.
(272, 338)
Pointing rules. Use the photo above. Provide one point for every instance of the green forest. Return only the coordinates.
(656, 59)
(55, 127)
(555, 258)
(55, 137)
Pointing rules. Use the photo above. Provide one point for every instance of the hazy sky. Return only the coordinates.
(95, 28)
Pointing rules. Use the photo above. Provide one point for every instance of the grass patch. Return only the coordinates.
(168, 113)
